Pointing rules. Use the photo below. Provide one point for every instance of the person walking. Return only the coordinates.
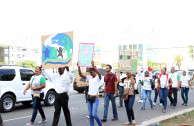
(121, 78)
(110, 92)
(129, 97)
(37, 84)
(155, 89)
(175, 87)
(147, 90)
(185, 83)
(62, 83)
(164, 82)
(93, 93)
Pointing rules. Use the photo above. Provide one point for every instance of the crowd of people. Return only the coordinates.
(164, 85)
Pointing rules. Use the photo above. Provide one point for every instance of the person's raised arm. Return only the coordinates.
(97, 71)
(132, 78)
(80, 73)
(70, 74)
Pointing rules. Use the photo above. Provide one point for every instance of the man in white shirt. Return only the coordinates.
(175, 87)
(62, 83)
(120, 87)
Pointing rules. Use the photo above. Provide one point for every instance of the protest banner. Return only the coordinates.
(86, 54)
(128, 61)
(81, 82)
(57, 50)
(141, 73)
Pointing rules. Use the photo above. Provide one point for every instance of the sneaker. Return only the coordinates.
(29, 124)
(127, 123)
(134, 122)
(120, 106)
(142, 109)
(88, 117)
(160, 104)
(154, 103)
(103, 120)
(185, 104)
(174, 107)
(42, 121)
(114, 119)
(139, 101)
(171, 104)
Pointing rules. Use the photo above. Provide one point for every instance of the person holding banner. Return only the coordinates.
(129, 97)
(164, 82)
(121, 78)
(62, 83)
(93, 93)
(147, 90)
(110, 92)
(37, 84)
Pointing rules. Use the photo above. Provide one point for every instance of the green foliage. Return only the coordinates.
(191, 52)
(30, 64)
(103, 65)
(3, 63)
(156, 65)
(178, 60)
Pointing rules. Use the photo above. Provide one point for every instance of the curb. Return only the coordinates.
(165, 117)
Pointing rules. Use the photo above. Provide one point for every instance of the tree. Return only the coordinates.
(30, 64)
(178, 60)
(191, 52)
(3, 63)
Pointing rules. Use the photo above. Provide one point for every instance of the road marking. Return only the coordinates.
(18, 118)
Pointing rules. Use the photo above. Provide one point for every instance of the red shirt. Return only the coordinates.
(110, 86)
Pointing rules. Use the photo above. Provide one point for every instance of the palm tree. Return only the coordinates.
(191, 52)
(178, 60)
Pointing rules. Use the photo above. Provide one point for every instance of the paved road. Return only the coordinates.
(21, 114)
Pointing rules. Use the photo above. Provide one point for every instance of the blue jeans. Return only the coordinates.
(120, 95)
(93, 110)
(184, 94)
(37, 106)
(129, 107)
(140, 91)
(147, 93)
(163, 93)
(156, 95)
(107, 98)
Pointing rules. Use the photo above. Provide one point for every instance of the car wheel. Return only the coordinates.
(80, 91)
(26, 103)
(50, 98)
(7, 103)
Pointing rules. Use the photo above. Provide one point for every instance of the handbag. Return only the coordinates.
(91, 98)
(36, 93)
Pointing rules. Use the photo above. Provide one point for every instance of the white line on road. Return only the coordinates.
(18, 118)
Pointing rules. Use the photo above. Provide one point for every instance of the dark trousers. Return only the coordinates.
(120, 95)
(129, 107)
(61, 101)
(173, 100)
(156, 95)
(1, 121)
(86, 92)
(37, 106)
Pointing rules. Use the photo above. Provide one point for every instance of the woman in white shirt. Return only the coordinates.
(185, 83)
(93, 93)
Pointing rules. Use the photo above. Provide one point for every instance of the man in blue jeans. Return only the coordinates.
(110, 90)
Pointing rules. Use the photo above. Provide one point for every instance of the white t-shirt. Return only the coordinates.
(156, 83)
(36, 81)
(94, 84)
(147, 84)
(163, 81)
(175, 77)
(184, 81)
(122, 76)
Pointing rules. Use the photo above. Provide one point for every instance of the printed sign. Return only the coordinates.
(57, 50)
(86, 54)
(128, 61)
(141, 74)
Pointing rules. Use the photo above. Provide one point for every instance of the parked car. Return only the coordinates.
(13, 81)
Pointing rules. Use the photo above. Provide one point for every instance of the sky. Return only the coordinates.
(103, 22)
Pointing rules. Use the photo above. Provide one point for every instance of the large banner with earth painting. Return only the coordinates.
(57, 50)
(128, 61)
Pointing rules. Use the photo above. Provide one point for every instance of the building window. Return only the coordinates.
(120, 47)
(130, 47)
(124, 47)
(135, 47)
